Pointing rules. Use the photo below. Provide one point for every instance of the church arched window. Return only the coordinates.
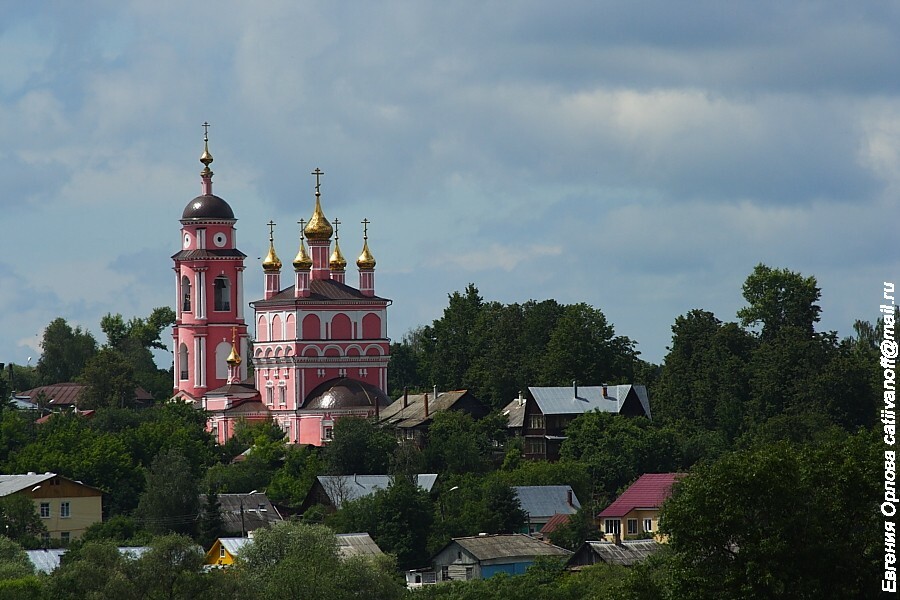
(185, 294)
(222, 293)
(183, 362)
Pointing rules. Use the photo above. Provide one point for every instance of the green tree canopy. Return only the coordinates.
(170, 502)
(780, 298)
(64, 352)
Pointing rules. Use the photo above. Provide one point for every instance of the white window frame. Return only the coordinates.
(45, 510)
(648, 525)
(65, 510)
(612, 526)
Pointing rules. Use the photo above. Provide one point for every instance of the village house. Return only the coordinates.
(635, 514)
(483, 556)
(66, 507)
(411, 414)
(331, 491)
(541, 416)
(542, 502)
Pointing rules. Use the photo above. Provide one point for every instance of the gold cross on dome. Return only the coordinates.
(271, 225)
(302, 223)
(205, 131)
(318, 173)
(365, 222)
(336, 223)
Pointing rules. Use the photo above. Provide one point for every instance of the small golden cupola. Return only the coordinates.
(337, 261)
(365, 260)
(271, 264)
(302, 262)
(206, 158)
(318, 227)
(234, 359)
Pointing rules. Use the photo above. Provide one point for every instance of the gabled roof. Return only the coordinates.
(343, 488)
(626, 553)
(357, 544)
(233, 545)
(511, 545)
(258, 511)
(649, 491)
(45, 561)
(554, 523)
(66, 394)
(414, 413)
(581, 399)
(10, 484)
(515, 413)
(544, 501)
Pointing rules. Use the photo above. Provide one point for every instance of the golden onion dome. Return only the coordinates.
(318, 227)
(302, 262)
(234, 359)
(271, 264)
(337, 262)
(365, 260)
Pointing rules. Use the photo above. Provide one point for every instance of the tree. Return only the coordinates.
(583, 347)
(779, 298)
(452, 338)
(398, 518)
(359, 447)
(14, 562)
(65, 352)
(110, 381)
(294, 560)
(19, 520)
(170, 501)
(134, 339)
(705, 377)
(211, 523)
(455, 445)
(765, 522)
(580, 527)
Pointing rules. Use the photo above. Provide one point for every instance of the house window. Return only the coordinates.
(222, 294)
(328, 433)
(270, 395)
(282, 395)
(445, 573)
(64, 537)
(535, 446)
(45, 510)
(64, 510)
(632, 527)
(648, 525)
(536, 421)
(221, 551)
(470, 571)
(612, 526)
(410, 434)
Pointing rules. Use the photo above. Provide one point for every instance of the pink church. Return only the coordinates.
(321, 348)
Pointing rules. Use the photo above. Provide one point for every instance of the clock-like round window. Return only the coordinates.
(219, 239)
(187, 240)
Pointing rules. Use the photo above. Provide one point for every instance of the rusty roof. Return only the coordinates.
(414, 413)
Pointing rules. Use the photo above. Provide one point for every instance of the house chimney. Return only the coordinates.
(521, 399)
(569, 498)
(405, 396)
(617, 538)
(426, 405)
(575, 389)
(604, 390)
(435, 393)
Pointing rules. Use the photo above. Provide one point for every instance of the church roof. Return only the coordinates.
(320, 290)
(208, 254)
(344, 392)
(207, 206)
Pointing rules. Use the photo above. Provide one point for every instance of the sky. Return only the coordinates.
(641, 157)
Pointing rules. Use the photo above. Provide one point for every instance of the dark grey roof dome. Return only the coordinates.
(345, 393)
(207, 206)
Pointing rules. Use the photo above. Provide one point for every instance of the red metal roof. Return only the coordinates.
(554, 522)
(649, 491)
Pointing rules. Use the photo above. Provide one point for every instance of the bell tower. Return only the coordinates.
(209, 291)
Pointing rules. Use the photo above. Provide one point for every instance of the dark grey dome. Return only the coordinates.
(207, 207)
(345, 393)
